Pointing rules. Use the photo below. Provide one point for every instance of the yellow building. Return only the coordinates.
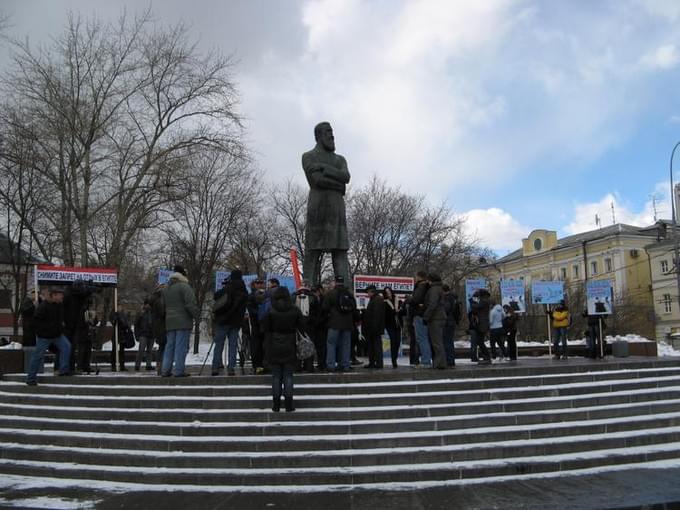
(665, 290)
(616, 252)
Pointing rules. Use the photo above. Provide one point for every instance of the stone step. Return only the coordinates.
(262, 388)
(8, 395)
(417, 469)
(317, 425)
(73, 408)
(526, 367)
(486, 450)
(313, 442)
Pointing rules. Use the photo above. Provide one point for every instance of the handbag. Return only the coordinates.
(304, 347)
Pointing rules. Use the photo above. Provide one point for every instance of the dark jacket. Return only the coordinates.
(253, 302)
(313, 321)
(158, 316)
(337, 319)
(232, 314)
(510, 322)
(49, 320)
(418, 299)
(373, 321)
(27, 312)
(144, 325)
(391, 318)
(434, 303)
(479, 314)
(451, 309)
(279, 326)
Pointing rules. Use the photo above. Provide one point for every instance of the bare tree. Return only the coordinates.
(116, 111)
(205, 221)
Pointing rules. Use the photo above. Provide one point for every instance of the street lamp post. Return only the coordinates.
(675, 231)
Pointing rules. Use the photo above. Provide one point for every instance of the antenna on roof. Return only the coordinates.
(598, 222)
(653, 197)
(613, 215)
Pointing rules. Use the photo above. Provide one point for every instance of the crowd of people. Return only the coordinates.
(312, 329)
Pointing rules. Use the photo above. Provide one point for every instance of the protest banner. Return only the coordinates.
(545, 292)
(512, 294)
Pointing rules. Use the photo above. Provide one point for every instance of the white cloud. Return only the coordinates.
(664, 57)
(584, 213)
(496, 229)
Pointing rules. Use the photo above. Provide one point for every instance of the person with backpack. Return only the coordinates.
(308, 305)
(229, 309)
(280, 326)
(497, 333)
(454, 312)
(392, 324)
(417, 307)
(373, 325)
(560, 322)
(339, 306)
(510, 329)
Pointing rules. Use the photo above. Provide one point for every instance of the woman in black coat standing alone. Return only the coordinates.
(279, 326)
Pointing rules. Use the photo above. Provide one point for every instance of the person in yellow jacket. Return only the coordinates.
(560, 322)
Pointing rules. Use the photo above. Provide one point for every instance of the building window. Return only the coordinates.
(563, 273)
(593, 267)
(574, 271)
(608, 265)
(538, 244)
(664, 266)
(667, 303)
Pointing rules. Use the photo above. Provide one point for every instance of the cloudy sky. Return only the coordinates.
(520, 114)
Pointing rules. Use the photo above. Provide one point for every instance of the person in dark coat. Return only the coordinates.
(452, 309)
(280, 325)
(339, 306)
(510, 328)
(318, 319)
(310, 307)
(253, 302)
(144, 335)
(392, 324)
(417, 307)
(27, 310)
(49, 329)
(373, 325)
(229, 319)
(480, 302)
(157, 306)
(435, 317)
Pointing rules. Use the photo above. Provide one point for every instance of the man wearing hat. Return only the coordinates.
(229, 311)
(339, 306)
(49, 330)
(180, 312)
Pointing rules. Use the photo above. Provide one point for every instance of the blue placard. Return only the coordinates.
(164, 276)
(547, 292)
(599, 297)
(284, 281)
(471, 286)
(512, 294)
(220, 276)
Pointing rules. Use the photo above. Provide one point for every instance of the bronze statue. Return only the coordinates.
(327, 176)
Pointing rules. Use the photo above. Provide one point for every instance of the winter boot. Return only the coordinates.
(276, 406)
(289, 405)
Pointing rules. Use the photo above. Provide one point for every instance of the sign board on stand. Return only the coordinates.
(401, 286)
(512, 294)
(471, 286)
(599, 297)
(547, 292)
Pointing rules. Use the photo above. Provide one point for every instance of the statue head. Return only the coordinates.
(323, 134)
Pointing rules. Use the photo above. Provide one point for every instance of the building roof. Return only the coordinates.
(22, 257)
(592, 235)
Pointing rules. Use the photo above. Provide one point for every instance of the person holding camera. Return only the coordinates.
(49, 330)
